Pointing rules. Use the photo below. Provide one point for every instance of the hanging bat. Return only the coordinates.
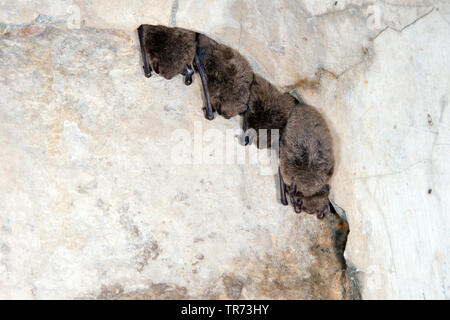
(307, 161)
(169, 51)
(224, 73)
(228, 76)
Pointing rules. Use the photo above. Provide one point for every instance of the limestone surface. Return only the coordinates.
(94, 202)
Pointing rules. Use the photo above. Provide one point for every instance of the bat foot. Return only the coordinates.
(246, 140)
(208, 116)
(188, 72)
(147, 73)
(298, 206)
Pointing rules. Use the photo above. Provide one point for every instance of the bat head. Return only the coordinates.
(317, 203)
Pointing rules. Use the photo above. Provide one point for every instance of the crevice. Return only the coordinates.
(419, 18)
(41, 19)
(352, 284)
(339, 11)
(405, 27)
(382, 175)
(378, 34)
(314, 83)
(402, 6)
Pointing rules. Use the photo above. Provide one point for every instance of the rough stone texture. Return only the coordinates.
(390, 116)
(92, 206)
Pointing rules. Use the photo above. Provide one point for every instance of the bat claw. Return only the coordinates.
(325, 188)
(298, 206)
(208, 116)
(246, 140)
(188, 72)
(147, 72)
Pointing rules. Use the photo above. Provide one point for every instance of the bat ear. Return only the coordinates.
(324, 189)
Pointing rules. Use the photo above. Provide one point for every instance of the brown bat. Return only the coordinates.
(228, 76)
(307, 161)
(169, 51)
(231, 88)
(225, 74)
(172, 51)
(268, 109)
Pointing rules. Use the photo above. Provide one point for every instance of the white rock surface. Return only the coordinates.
(400, 121)
(390, 115)
(92, 206)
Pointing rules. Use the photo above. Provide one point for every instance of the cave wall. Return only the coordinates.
(93, 206)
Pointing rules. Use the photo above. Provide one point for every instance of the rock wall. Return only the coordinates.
(92, 205)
